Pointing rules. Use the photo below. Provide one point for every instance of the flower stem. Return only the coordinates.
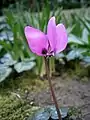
(51, 87)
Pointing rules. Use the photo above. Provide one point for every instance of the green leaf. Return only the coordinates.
(75, 53)
(2, 52)
(7, 60)
(84, 23)
(6, 45)
(24, 66)
(89, 39)
(78, 27)
(74, 39)
(49, 113)
(4, 72)
(87, 19)
(39, 64)
(86, 59)
(41, 115)
(1, 47)
(60, 55)
(85, 36)
(63, 112)
(69, 29)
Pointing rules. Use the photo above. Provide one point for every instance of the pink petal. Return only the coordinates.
(36, 39)
(61, 38)
(51, 33)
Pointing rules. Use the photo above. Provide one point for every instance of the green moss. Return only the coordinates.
(24, 81)
(74, 113)
(13, 106)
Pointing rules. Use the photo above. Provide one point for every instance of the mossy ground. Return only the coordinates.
(13, 106)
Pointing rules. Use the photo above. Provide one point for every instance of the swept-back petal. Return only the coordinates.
(51, 33)
(36, 39)
(62, 39)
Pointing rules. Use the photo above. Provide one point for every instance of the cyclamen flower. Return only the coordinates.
(48, 44)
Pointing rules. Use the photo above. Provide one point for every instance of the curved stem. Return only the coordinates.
(51, 88)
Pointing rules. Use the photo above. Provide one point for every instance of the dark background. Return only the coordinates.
(66, 4)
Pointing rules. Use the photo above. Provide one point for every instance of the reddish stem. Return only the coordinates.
(51, 87)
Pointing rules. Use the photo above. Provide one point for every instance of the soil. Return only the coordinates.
(69, 92)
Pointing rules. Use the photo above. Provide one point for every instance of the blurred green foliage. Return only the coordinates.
(18, 48)
(77, 28)
(78, 40)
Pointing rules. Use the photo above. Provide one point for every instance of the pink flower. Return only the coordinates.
(51, 43)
